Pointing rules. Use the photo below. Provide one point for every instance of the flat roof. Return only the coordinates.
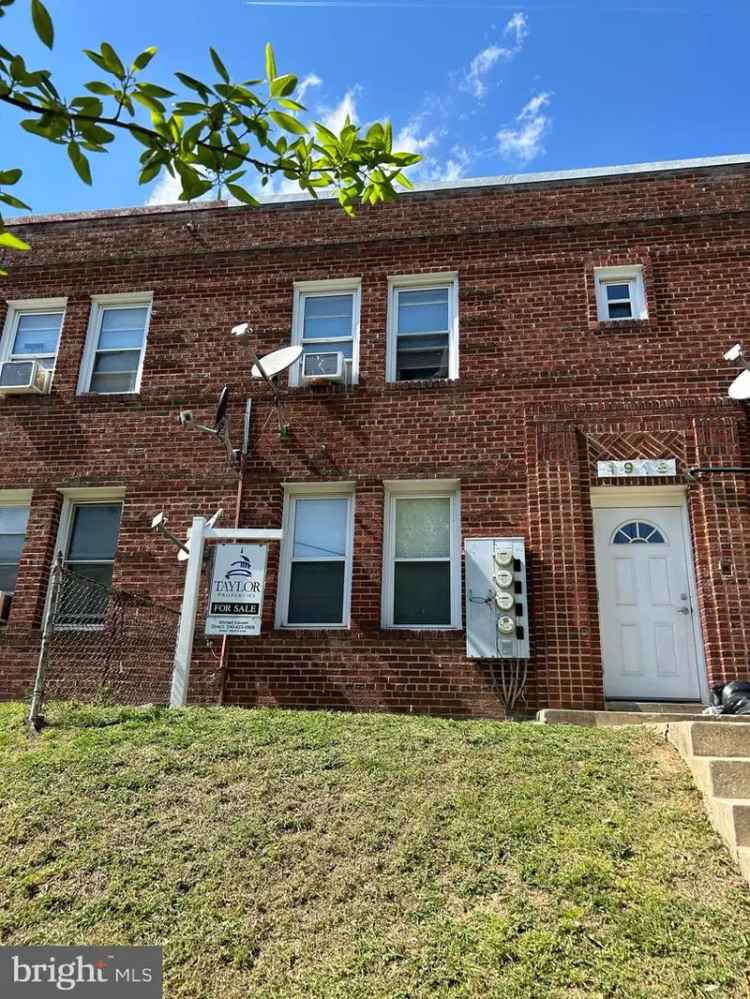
(501, 180)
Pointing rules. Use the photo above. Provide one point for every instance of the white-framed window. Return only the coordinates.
(422, 327)
(14, 518)
(115, 344)
(32, 331)
(620, 293)
(422, 555)
(325, 320)
(87, 541)
(315, 569)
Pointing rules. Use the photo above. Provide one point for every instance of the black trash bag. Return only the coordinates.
(733, 698)
(736, 706)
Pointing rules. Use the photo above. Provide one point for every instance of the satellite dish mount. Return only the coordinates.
(269, 368)
(220, 429)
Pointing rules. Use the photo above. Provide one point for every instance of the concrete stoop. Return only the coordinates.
(661, 715)
(718, 756)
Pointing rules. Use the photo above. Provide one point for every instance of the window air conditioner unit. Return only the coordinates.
(24, 377)
(323, 366)
(5, 602)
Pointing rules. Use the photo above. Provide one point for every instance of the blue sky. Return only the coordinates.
(478, 88)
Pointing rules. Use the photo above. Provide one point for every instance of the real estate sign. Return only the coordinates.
(235, 600)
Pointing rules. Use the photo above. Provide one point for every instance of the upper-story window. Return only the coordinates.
(422, 327)
(325, 322)
(115, 344)
(620, 293)
(32, 331)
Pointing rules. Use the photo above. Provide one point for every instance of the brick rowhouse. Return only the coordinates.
(545, 390)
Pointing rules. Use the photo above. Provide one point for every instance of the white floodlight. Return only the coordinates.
(160, 520)
(211, 522)
(734, 353)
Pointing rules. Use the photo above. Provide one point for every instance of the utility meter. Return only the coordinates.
(506, 625)
(504, 578)
(504, 600)
(497, 599)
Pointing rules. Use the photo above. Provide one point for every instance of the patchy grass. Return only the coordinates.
(283, 854)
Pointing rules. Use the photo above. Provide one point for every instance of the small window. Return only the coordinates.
(92, 541)
(423, 329)
(620, 293)
(326, 320)
(638, 532)
(13, 521)
(315, 579)
(115, 347)
(422, 562)
(32, 332)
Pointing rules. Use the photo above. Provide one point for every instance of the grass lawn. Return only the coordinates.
(286, 854)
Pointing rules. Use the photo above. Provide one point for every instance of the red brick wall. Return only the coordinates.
(538, 375)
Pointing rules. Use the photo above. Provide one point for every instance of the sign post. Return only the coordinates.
(235, 600)
(200, 533)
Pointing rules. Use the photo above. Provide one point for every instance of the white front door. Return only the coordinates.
(645, 612)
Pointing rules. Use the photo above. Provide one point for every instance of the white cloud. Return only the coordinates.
(335, 117)
(166, 191)
(474, 79)
(456, 166)
(524, 142)
(311, 80)
(408, 139)
(517, 26)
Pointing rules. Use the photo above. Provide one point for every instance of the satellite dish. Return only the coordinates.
(221, 408)
(273, 364)
(740, 387)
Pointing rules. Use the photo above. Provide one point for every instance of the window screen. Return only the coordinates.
(318, 561)
(13, 521)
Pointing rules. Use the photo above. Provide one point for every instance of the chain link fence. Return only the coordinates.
(102, 645)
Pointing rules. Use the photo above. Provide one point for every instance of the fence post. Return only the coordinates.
(35, 719)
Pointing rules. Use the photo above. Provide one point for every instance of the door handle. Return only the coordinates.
(684, 610)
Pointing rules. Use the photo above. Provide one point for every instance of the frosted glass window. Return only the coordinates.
(422, 570)
(119, 349)
(423, 528)
(37, 336)
(13, 521)
(318, 564)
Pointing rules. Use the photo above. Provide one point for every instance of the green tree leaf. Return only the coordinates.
(241, 194)
(141, 61)
(288, 123)
(79, 161)
(10, 176)
(219, 65)
(112, 61)
(42, 23)
(12, 242)
(270, 63)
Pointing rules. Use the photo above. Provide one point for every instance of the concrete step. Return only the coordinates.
(657, 707)
(717, 739)
(730, 778)
(596, 719)
(743, 858)
(731, 818)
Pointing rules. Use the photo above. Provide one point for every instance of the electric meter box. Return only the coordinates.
(497, 599)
